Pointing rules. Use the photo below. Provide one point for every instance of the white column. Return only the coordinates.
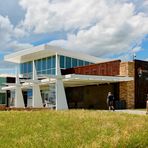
(61, 102)
(36, 95)
(19, 100)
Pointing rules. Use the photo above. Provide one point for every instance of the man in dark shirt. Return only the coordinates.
(110, 101)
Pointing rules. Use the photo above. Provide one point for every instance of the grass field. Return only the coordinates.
(72, 129)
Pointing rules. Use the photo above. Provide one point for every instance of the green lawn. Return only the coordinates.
(72, 129)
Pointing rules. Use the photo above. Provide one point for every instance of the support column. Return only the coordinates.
(36, 95)
(127, 89)
(61, 101)
(19, 100)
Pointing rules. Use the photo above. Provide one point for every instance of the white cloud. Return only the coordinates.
(136, 49)
(8, 43)
(19, 46)
(9, 35)
(101, 28)
(45, 16)
(114, 34)
(6, 29)
(6, 66)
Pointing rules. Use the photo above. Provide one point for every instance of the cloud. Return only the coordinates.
(63, 15)
(136, 49)
(12, 9)
(100, 28)
(114, 34)
(6, 66)
(9, 35)
(6, 30)
(19, 46)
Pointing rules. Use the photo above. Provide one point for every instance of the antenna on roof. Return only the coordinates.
(134, 56)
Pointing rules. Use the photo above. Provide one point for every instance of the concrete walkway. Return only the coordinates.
(130, 111)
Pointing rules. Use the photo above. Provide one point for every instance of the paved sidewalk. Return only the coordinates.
(130, 111)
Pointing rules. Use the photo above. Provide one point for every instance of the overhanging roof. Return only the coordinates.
(73, 80)
(42, 51)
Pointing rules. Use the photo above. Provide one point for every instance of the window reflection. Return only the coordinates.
(47, 65)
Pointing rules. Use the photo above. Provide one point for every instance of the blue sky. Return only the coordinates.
(107, 29)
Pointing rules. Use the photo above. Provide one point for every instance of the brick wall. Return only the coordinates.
(110, 68)
(127, 89)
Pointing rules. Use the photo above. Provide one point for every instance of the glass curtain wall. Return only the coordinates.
(68, 62)
(26, 69)
(43, 66)
(47, 65)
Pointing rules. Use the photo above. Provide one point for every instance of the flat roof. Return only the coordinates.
(42, 51)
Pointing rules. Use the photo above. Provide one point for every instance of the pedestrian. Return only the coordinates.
(45, 102)
(147, 104)
(110, 101)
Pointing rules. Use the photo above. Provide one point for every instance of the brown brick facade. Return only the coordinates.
(127, 89)
(110, 68)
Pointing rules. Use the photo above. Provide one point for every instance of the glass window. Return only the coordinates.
(2, 80)
(29, 93)
(2, 98)
(25, 68)
(29, 66)
(68, 62)
(53, 62)
(44, 64)
(86, 63)
(62, 62)
(49, 62)
(80, 62)
(74, 62)
(44, 72)
(39, 65)
(29, 75)
(21, 68)
(39, 72)
(53, 71)
(49, 72)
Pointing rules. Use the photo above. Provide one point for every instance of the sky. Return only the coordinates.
(103, 28)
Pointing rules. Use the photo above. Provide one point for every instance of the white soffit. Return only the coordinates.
(73, 80)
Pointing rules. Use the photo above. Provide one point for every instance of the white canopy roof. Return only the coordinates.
(73, 80)
(43, 51)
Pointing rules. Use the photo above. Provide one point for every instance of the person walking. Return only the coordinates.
(147, 104)
(110, 101)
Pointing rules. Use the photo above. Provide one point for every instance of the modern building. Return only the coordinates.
(66, 79)
(5, 94)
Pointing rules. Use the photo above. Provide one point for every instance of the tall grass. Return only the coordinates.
(72, 129)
